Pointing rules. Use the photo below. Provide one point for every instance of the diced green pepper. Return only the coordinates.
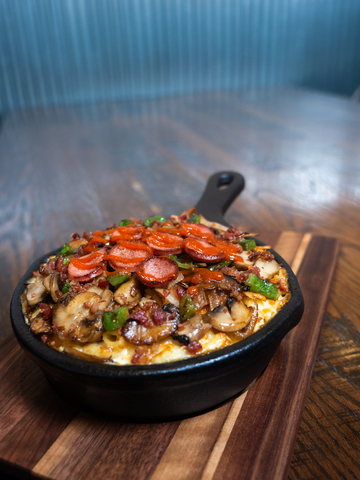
(185, 266)
(66, 287)
(66, 261)
(194, 219)
(187, 308)
(248, 244)
(115, 319)
(117, 279)
(223, 263)
(66, 250)
(149, 221)
(125, 223)
(257, 285)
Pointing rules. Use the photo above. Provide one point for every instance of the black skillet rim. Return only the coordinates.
(272, 332)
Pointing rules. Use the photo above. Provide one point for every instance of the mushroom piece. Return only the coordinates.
(128, 293)
(73, 318)
(267, 269)
(192, 329)
(105, 295)
(229, 321)
(138, 334)
(51, 283)
(35, 292)
(39, 325)
(75, 244)
(168, 296)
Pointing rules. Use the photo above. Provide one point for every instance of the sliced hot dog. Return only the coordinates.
(157, 271)
(128, 255)
(86, 265)
(165, 243)
(127, 233)
(90, 276)
(196, 229)
(202, 251)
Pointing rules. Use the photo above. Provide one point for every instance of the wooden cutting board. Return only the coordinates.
(251, 437)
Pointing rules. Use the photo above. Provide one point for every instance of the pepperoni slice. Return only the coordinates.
(127, 233)
(202, 251)
(128, 255)
(157, 271)
(196, 229)
(165, 243)
(90, 276)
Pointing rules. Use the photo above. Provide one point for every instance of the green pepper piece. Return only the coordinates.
(66, 261)
(223, 263)
(185, 266)
(125, 223)
(187, 308)
(248, 244)
(257, 285)
(194, 219)
(115, 319)
(66, 250)
(149, 221)
(66, 287)
(117, 279)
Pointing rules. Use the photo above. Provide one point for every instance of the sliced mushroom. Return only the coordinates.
(200, 299)
(192, 329)
(128, 293)
(75, 244)
(138, 334)
(51, 283)
(39, 325)
(105, 294)
(229, 321)
(74, 320)
(214, 299)
(36, 292)
(267, 269)
(86, 356)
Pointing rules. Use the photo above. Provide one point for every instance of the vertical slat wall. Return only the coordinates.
(72, 51)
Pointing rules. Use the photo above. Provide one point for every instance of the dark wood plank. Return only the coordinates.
(257, 449)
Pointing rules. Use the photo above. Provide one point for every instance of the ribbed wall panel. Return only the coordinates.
(73, 51)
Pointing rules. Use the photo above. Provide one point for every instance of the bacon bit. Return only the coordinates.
(44, 338)
(135, 358)
(103, 283)
(180, 327)
(87, 304)
(242, 277)
(94, 307)
(194, 347)
(75, 236)
(59, 264)
(283, 285)
(255, 271)
(87, 235)
(141, 317)
(36, 274)
(147, 306)
(166, 293)
(58, 293)
(55, 327)
(46, 311)
(180, 292)
(158, 316)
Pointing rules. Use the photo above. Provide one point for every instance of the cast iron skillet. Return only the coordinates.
(148, 393)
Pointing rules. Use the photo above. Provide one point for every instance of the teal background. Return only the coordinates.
(75, 51)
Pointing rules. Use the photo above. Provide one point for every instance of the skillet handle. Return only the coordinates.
(221, 190)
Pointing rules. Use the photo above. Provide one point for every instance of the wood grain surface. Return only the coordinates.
(233, 441)
(74, 169)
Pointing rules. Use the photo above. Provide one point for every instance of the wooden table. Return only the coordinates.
(73, 169)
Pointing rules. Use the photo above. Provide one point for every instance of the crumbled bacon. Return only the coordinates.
(103, 283)
(180, 292)
(158, 316)
(46, 311)
(194, 347)
(75, 236)
(255, 271)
